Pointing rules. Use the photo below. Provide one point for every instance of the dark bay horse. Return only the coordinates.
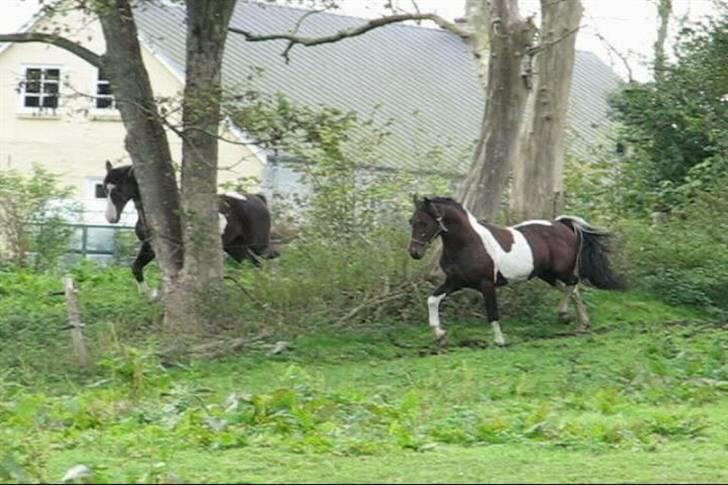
(244, 221)
(482, 256)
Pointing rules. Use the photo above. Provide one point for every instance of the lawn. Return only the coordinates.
(640, 399)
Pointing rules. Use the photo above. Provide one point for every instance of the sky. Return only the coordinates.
(629, 26)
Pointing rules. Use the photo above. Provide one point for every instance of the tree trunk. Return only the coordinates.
(538, 165)
(207, 27)
(507, 90)
(146, 142)
(190, 256)
(477, 17)
(664, 10)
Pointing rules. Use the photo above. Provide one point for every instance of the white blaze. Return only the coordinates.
(223, 223)
(514, 265)
(110, 212)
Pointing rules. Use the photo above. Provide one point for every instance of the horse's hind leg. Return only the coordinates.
(491, 310)
(145, 255)
(581, 312)
(564, 303)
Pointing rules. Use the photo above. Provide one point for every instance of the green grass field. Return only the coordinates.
(640, 399)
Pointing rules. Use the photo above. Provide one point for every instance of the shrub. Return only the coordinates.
(32, 210)
(685, 259)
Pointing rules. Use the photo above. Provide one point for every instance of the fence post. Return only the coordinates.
(74, 321)
(84, 241)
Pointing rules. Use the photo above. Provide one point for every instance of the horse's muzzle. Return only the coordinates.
(416, 251)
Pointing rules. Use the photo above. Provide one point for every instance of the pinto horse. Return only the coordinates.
(244, 221)
(482, 256)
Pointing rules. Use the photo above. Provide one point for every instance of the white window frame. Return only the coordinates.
(39, 111)
(109, 113)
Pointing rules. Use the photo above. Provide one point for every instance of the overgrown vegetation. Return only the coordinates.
(32, 213)
(666, 197)
(320, 365)
(642, 389)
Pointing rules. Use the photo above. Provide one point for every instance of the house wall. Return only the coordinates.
(75, 140)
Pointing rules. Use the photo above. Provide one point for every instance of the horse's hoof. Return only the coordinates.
(500, 342)
(582, 329)
(441, 339)
(564, 317)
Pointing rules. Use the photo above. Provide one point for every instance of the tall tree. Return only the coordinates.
(183, 224)
(539, 160)
(507, 89)
(501, 41)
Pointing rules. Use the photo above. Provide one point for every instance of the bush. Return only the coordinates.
(685, 259)
(31, 217)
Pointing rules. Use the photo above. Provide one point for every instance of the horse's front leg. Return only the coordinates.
(433, 306)
(491, 310)
(145, 255)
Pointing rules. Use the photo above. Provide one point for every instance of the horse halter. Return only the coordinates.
(441, 228)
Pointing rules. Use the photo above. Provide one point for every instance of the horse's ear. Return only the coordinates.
(108, 166)
(415, 197)
(427, 200)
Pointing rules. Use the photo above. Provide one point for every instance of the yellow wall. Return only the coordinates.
(75, 143)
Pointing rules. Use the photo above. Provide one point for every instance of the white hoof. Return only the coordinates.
(500, 341)
(440, 334)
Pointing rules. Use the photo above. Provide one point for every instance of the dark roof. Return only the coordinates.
(422, 79)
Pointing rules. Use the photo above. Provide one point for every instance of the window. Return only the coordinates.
(104, 97)
(41, 88)
(99, 192)
(95, 188)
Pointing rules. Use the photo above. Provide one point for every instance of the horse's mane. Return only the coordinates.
(447, 201)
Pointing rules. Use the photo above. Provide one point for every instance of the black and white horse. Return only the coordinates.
(244, 221)
(482, 256)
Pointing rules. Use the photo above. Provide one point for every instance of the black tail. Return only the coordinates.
(593, 260)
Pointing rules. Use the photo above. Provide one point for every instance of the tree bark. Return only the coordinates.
(477, 15)
(207, 27)
(538, 164)
(146, 142)
(507, 91)
(664, 10)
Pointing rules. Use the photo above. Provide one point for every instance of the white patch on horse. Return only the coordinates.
(576, 219)
(534, 221)
(433, 304)
(236, 195)
(514, 265)
(223, 223)
(110, 211)
(498, 334)
(144, 289)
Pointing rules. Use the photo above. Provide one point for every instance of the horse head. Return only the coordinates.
(427, 224)
(121, 187)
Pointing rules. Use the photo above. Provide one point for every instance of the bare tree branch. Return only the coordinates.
(352, 32)
(619, 55)
(543, 45)
(58, 41)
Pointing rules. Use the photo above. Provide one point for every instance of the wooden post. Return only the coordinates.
(74, 321)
